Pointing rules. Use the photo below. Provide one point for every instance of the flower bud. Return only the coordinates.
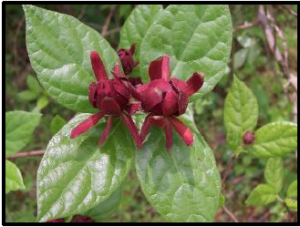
(248, 138)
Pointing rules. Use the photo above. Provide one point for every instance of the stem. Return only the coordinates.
(27, 154)
(231, 215)
(228, 168)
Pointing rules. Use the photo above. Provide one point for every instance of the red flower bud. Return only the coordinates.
(112, 98)
(167, 98)
(126, 58)
(248, 138)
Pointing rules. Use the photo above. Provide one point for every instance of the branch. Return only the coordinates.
(107, 21)
(27, 154)
(246, 25)
(231, 215)
(289, 10)
(228, 168)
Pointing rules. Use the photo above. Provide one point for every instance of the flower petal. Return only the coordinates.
(194, 83)
(110, 106)
(182, 130)
(133, 107)
(132, 49)
(150, 98)
(160, 68)
(106, 131)
(169, 136)
(93, 93)
(146, 127)
(135, 81)
(132, 128)
(86, 125)
(169, 105)
(182, 103)
(178, 84)
(121, 88)
(98, 66)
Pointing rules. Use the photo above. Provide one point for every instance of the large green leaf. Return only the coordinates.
(76, 175)
(106, 208)
(274, 173)
(59, 49)
(196, 37)
(240, 112)
(137, 25)
(184, 184)
(292, 190)
(275, 139)
(262, 195)
(13, 177)
(19, 126)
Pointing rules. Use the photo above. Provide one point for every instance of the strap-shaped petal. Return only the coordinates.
(98, 66)
(132, 128)
(86, 125)
(185, 133)
(182, 102)
(146, 127)
(106, 131)
(169, 105)
(178, 84)
(150, 98)
(121, 88)
(110, 106)
(93, 93)
(194, 83)
(160, 68)
(133, 108)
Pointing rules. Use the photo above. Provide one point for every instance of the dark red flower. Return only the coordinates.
(164, 99)
(248, 138)
(82, 219)
(113, 98)
(126, 57)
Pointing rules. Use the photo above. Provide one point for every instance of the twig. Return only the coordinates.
(82, 13)
(231, 215)
(228, 168)
(113, 31)
(246, 25)
(27, 154)
(107, 21)
(289, 10)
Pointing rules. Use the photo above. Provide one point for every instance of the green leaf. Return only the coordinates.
(240, 112)
(262, 195)
(19, 126)
(105, 209)
(240, 58)
(291, 203)
(183, 184)
(59, 49)
(13, 177)
(292, 190)
(42, 102)
(222, 200)
(275, 140)
(33, 84)
(76, 174)
(196, 37)
(137, 25)
(56, 124)
(274, 173)
(27, 95)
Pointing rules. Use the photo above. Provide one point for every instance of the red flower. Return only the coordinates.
(112, 98)
(126, 58)
(164, 99)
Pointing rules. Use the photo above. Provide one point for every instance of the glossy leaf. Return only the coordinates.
(76, 174)
(137, 25)
(240, 112)
(13, 177)
(19, 126)
(56, 124)
(182, 184)
(275, 140)
(106, 208)
(291, 203)
(274, 173)
(262, 195)
(198, 39)
(59, 49)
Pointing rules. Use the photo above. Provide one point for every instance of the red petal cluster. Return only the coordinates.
(164, 98)
(112, 98)
(126, 58)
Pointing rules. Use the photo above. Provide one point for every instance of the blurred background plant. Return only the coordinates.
(260, 33)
